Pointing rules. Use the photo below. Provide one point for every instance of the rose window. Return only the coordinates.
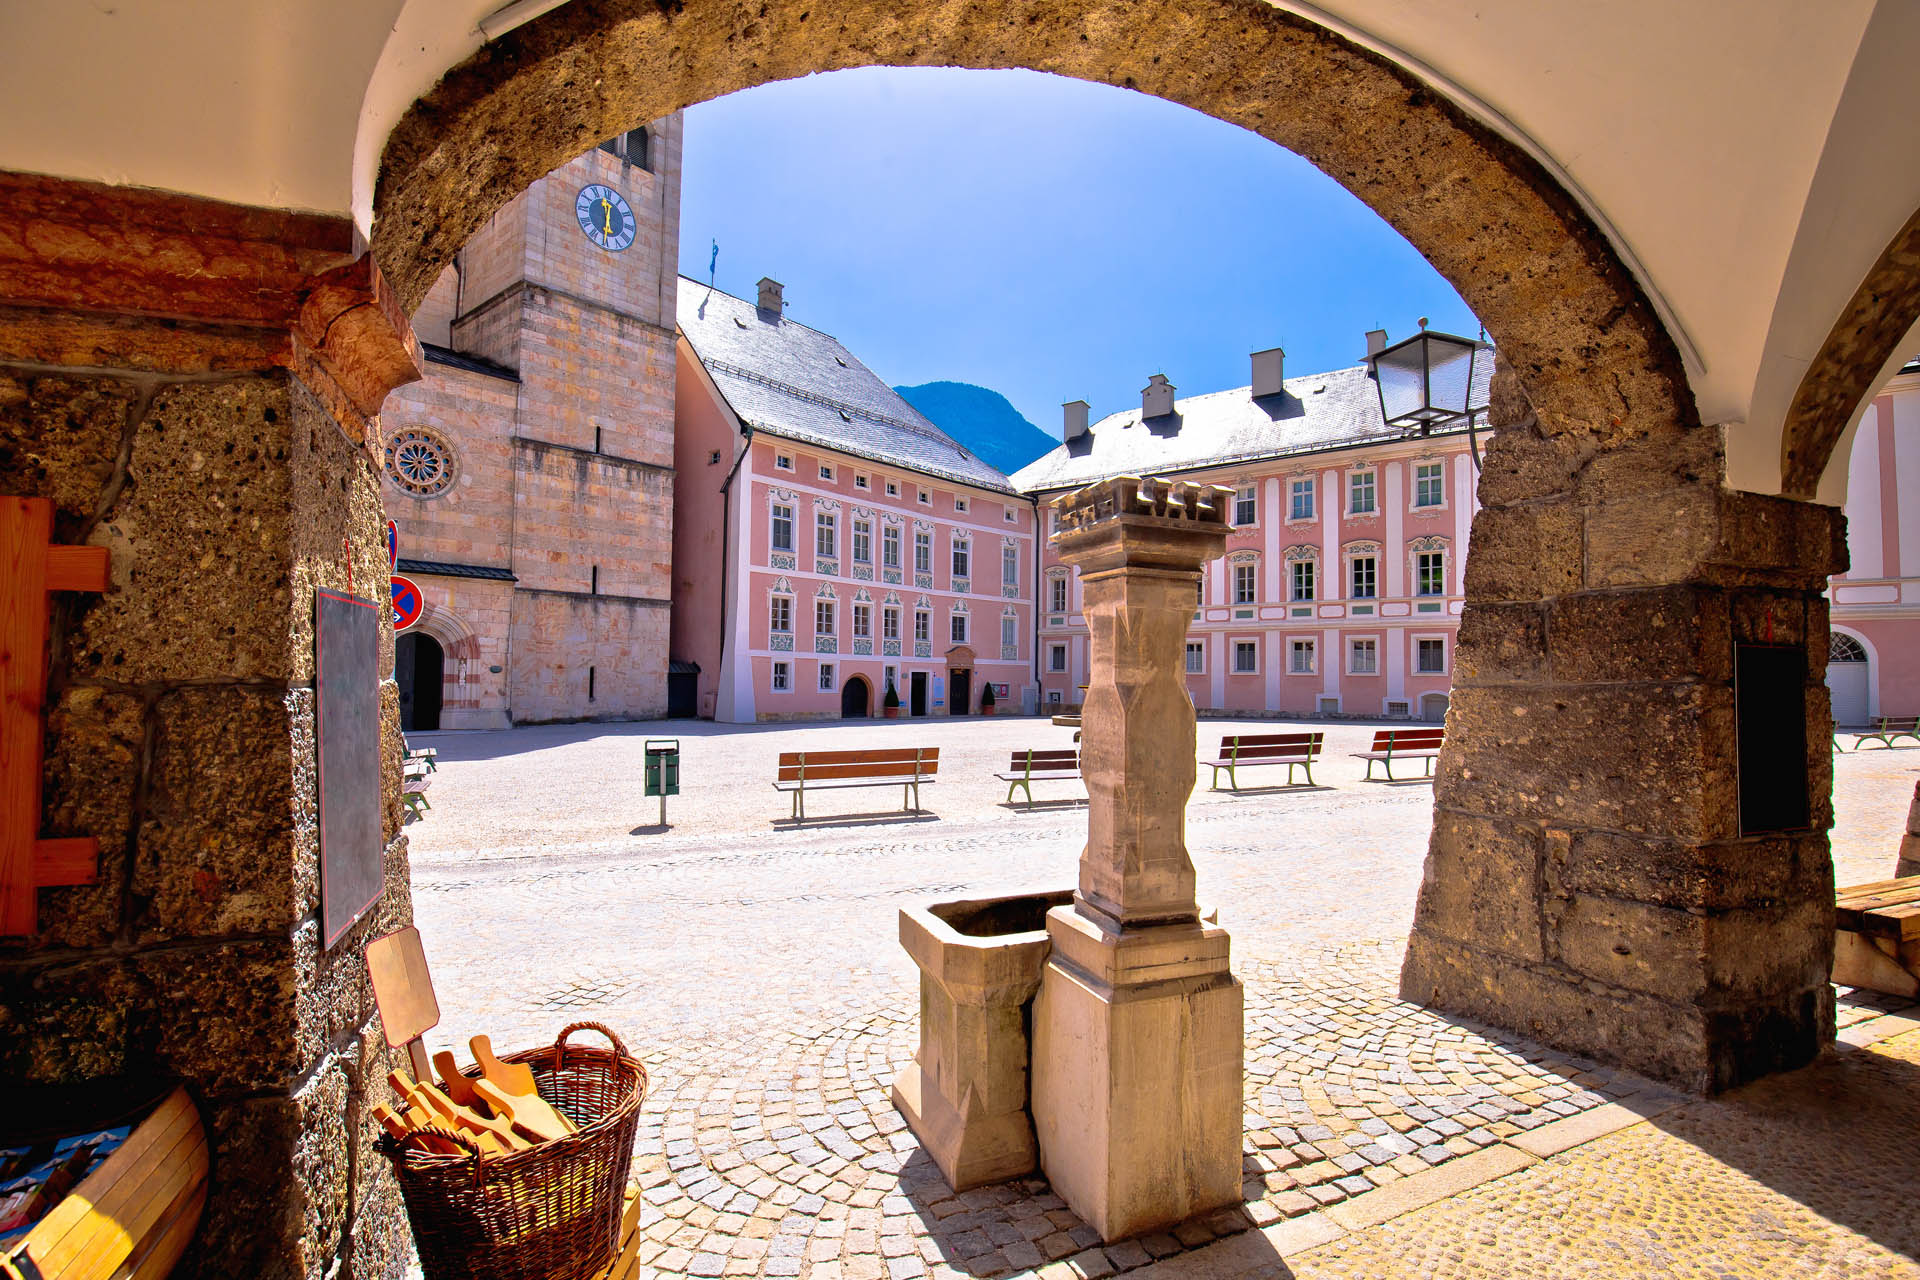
(420, 461)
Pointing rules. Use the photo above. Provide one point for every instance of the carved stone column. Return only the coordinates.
(1137, 1027)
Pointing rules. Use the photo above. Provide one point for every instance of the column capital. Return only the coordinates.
(1151, 523)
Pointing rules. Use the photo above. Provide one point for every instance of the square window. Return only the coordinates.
(782, 462)
(826, 473)
(782, 677)
(823, 617)
(1246, 507)
(1302, 658)
(1196, 658)
(1363, 658)
(1246, 657)
(1430, 657)
(925, 498)
(780, 615)
(1360, 493)
(1056, 657)
(1302, 579)
(859, 481)
(960, 504)
(1363, 577)
(1300, 493)
(1006, 513)
(893, 488)
(782, 536)
(1243, 584)
(826, 675)
(1429, 486)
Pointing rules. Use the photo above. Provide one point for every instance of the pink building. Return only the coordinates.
(1340, 591)
(1875, 654)
(830, 540)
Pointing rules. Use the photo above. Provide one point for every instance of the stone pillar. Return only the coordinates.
(1908, 863)
(192, 384)
(1137, 1028)
(1588, 882)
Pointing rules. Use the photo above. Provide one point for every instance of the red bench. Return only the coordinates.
(1294, 750)
(1403, 744)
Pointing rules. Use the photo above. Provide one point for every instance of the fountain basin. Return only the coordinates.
(965, 1094)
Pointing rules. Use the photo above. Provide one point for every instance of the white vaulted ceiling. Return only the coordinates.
(1749, 158)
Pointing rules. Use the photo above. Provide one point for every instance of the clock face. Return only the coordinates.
(605, 216)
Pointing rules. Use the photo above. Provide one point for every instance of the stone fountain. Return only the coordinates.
(1136, 1027)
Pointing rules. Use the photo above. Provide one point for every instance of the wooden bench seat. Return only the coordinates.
(1029, 766)
(1887, 730)
(1403, 744)
(1877, 936)
(1243, 750)
(904, 767)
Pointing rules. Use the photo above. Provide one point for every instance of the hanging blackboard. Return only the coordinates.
(347, 690)
(1770, 710)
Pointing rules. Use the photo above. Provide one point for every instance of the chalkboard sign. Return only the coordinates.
(347, 691)
(1770, 710)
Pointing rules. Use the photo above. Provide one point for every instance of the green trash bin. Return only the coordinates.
(662, 771)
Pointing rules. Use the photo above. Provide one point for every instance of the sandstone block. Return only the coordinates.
(93, 758)
(1661, 536)
(1908, 863)
(65, 1024)
(1759, 533)
(1656, 633)
(335, 525)
(254, 1217)
(240, 1038)
(1525, 553)
(60, 439)
(1712, 877)
(1482, 883)
(1501, 644)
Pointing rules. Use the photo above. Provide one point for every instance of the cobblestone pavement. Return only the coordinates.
(755, 967)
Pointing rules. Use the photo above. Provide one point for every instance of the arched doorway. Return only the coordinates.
(1849, 679)
(856, 698)
(419, 667)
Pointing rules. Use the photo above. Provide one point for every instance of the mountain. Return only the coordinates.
(984, 421)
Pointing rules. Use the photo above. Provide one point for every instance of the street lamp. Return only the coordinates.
(1427, 380)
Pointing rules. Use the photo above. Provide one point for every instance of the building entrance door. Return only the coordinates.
(1847, 680)
(959, 692)
(855, 699)
(917, 693)
(418, 666)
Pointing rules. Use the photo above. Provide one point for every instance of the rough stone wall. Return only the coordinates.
(1587, 880)
(1908, 863)
(558, 637)
(169, 406)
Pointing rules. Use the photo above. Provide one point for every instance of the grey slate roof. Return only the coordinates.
(783, 378)
(447, 569)
(1320, 411)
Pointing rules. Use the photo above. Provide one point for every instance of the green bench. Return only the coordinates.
(1243, 750)
(1886, 729)
(1029, 766)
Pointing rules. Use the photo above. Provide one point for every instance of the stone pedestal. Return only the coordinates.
(965, 1093)
(1138, 1024)
(1908, 861)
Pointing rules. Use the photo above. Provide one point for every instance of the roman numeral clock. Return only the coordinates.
(604, 216)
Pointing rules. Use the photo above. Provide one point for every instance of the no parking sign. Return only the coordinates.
(408, 603)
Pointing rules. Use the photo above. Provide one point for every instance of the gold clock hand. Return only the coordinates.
(607, 218)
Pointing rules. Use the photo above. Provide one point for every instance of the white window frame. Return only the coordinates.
(1057, 591)
(774, 610)
(783, 462)
(1010, 564)
(1372, 478)
(1057, 659)
(860, 481)
(1440, 486)
(1297, 487)
(961, 554)
(1246, 506)
(922, 625)
(781, 678)
(1009, 631)
(826, 547)
(1312, 564)
(829, 678)
(1233, 657)
(826, 473)
(1419, 583)
(923, 541)
(893, 488)
(1372, 562)
(889, 546)
(889, 622)
(862, 540)
(1354, 644)
(862, 620)
(825, 616)
(961, 504)
(1007, 514)
(1446, 652)
(924, 497)
(1246, 582)
(1312, 644)
(773, 531)
(957, 627)
(1196, 648)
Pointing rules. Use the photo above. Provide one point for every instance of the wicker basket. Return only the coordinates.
(551, 1212)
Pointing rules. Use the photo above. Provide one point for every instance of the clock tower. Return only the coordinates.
(535, 496)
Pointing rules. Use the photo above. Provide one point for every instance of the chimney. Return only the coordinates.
(770, 295)
(1156, 398)
(1376, 342)
(1075, 423)
(1269, 367)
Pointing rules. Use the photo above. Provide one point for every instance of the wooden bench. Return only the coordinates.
(1876, 942)
(1239, 750)
(1029, 766)
(413, 785)
(429, 757)
(904, 767)
(1886, 729)
(1403, 744)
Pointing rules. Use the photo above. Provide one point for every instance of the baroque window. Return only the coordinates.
(420, 462)
(1429, 484)
(1300, 494)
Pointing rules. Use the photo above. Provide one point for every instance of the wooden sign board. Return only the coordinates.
(403, 990)
(347, 691)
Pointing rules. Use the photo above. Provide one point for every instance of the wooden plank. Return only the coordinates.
(66, 861)
(76, 568)
(1876, 886)
(25, 524)
(812, 758)
(402, 987)
(1244, 740)
(1857, 962)
(116, 1207)
(1888, 893)
(875, 769)
(925, 779)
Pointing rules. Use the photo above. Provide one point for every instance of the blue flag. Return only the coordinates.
(713, 261)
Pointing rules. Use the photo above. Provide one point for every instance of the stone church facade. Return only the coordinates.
(530, 473)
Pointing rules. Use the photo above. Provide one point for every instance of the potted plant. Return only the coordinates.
(986, 700)
(890, 704)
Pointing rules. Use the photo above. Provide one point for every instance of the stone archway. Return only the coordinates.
(1603, 502)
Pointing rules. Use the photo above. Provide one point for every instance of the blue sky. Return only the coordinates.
(1049, 238)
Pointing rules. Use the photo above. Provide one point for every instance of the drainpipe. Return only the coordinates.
(1039, 542)
(726, 550)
